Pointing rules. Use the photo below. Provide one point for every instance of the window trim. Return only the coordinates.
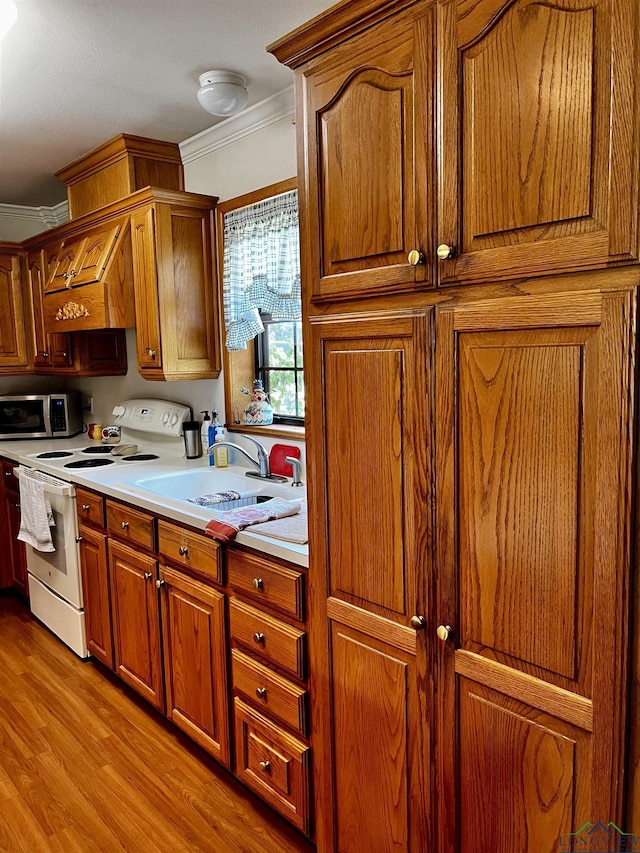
(236, 372)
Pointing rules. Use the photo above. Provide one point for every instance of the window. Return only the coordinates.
(278, 352)
(261, 296)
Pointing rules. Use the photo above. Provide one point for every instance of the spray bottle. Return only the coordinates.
(214, 427)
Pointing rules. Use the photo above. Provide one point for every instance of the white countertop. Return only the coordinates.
(119, 481)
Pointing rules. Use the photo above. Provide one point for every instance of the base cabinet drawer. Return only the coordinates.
(274, 641)
(267, 583)
(277, 696)
(132, 525)
(274, 764)
(191, 550)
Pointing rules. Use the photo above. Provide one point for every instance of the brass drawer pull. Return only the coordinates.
(258, 583)
(265, 766)
(148, 576)
(258, 638)
(183, 550)
(124, 525)
(160, 583)
(85, 507)
(261, 693)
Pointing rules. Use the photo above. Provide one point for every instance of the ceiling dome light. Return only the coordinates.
(222, 93)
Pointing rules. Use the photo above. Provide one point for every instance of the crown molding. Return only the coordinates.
(47, 216)
(230, 130)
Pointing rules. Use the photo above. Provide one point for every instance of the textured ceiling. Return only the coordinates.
(74, 73)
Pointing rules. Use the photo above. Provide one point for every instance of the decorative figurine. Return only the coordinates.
(259, 411)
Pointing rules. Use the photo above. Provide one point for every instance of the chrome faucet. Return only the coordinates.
(261, 463)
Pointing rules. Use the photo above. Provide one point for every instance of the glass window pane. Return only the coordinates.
(282, 392)
(280, 345)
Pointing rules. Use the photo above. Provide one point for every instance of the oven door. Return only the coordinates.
(25, 417)
(59, 570)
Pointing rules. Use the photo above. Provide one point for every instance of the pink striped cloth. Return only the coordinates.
(226, 525)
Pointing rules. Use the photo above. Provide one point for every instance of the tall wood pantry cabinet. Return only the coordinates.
(468, 178)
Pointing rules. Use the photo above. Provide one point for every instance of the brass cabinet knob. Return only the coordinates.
(258, 638)
(418, 622)
(444, 632)
(78, 538)
(124, 525)
(265, 766)
(151, 353)
(45, 354)
(183, 551)
(445, 251)
(257, 583)
(160, 583)
(261, 693)
(148, 576)
(415, 257)
(85, 507)
(65, 354)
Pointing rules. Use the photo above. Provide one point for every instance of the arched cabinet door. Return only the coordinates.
(538, 133)
(369, 160)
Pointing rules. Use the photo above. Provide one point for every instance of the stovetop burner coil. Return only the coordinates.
(99, 449)
(140, 457)
(54, 454)
(88, 463)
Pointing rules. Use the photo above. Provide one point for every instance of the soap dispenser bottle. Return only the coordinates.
(220, 454)
(204, 430)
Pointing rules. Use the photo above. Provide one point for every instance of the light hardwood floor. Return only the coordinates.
(86, 766)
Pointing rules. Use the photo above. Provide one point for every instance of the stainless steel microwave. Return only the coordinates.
(40, 415)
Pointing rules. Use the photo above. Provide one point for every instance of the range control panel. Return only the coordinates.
(158, 416)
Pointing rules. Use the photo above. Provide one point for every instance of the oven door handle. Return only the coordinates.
(52, 485)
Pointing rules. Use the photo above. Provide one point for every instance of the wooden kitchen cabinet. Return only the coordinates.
(176, 307)
(101, 352)
(15, 572)
(136, 621)
(368, 115)
(94, 565)
(533, 596)
(15, 356)
(195, 660)
(471, 670)
(525, 184)
(375, 651)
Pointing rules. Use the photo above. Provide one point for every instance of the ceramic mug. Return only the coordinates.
(95, 431)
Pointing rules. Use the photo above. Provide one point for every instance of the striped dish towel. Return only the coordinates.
(225, 525)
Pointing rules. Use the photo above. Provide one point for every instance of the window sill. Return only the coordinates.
(277, 430)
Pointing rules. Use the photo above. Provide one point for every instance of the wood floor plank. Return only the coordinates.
(87, 767)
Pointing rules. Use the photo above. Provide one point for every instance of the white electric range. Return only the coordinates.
(152, 430)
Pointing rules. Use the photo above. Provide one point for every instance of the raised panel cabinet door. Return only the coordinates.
(62, 261)
(186, 292)
(538, 136)
(369, 169)
(36, 275)
(195, 655)
(17, 548)
(146, 291)
(369, 450)
(96, 251)
(96, 594)
(136, 618)
(534, 442)
(13, 340)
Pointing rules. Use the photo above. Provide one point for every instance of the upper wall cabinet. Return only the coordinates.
(538, 136)
(369, 118)
(177, 331)
(14, 350)
(512, 124)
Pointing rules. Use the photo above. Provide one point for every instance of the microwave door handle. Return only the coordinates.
(47, 415)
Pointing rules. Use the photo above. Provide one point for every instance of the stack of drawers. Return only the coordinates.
(270, 697)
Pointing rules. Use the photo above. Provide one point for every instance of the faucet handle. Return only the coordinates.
(262, 451)
(297, 469)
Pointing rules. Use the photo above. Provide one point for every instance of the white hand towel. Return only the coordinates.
(36, 517)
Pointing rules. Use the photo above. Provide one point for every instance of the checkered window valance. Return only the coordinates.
(261, 267)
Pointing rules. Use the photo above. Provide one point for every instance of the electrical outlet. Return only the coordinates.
(87, 403)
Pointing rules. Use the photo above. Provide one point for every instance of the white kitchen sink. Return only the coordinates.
(188, 485)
